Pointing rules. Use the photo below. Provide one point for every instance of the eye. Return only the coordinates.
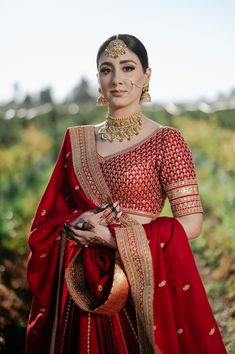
(128, 68)
(105, 70)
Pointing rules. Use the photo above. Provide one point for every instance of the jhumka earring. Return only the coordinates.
(101, 100)
(145, 96)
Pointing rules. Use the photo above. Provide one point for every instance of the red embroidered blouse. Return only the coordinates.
(141, 177)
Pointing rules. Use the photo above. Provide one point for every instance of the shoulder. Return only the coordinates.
(173, 142)
(172, 136)
(171, 132)
(79, 129)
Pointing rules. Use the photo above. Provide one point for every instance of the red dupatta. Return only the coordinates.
(173, 314)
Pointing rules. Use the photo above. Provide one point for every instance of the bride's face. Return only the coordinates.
(122, 79)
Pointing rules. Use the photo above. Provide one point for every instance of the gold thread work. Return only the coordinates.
(135, 254)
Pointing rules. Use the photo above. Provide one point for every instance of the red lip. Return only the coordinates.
(117, 93)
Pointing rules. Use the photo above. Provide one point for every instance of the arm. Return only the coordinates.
(178, 178)
(192, 224)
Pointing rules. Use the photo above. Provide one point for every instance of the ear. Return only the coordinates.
(148, 75)
(98, 78)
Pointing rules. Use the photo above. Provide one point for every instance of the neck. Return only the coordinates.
(119, 112)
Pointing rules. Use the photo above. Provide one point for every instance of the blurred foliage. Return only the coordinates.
(223, 118)
(28, 149)
(23, 169)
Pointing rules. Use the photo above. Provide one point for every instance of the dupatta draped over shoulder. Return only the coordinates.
(145, 297)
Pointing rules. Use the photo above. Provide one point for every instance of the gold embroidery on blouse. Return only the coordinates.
(136, 257)
(184, 200)
(139, 212)
(180, 183)
(186, 205)
(178, 192)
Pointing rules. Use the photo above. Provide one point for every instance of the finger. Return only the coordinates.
(79, 232)
(119, 216)
(84, 237)
(114, 209)
(113, 218)
(104, 211)
(110, 219)
(100, 209)
(85, 225)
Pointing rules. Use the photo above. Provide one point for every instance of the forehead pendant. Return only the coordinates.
(116, 48)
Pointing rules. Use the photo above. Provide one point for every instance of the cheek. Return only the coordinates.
(102, 85)
(138, 78)
(104, 81)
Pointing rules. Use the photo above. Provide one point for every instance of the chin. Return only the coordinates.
(117, 104)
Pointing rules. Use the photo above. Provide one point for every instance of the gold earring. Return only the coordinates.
(101, 100)
(145, 96)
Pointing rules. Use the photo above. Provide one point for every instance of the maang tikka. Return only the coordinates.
(115, 48)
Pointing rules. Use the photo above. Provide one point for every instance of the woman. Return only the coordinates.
(108, 275)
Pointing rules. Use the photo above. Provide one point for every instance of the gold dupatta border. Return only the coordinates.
(136, 257)
(86, 165)
(82, 296)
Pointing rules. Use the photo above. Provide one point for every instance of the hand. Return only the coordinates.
(90, 227)
(104, 215)
(97, 234)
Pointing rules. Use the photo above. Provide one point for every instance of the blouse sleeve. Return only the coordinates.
(178, 176)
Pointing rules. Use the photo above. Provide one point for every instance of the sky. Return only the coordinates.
(191, 44)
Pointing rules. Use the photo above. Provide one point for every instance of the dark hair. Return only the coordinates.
(133, 43)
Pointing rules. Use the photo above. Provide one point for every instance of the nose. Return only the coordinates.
(116, 78)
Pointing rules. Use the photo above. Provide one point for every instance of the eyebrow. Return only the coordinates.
(121, 62)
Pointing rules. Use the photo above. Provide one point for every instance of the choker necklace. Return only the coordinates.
(121, 128)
